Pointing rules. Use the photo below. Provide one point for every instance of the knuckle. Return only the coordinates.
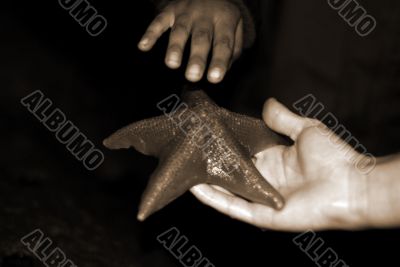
(315, 122)
(202, 35)
(219, 63)
(230, 10)
(154, 28)
(183, 18)
(197, 59)
(160, 18)
(150, 32)
(224, 42)
(159, 23)
(175, 48)
(311, 122)
(179, 27)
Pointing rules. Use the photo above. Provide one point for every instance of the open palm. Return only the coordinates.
(322, 188)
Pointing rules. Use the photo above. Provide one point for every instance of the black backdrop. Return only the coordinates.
(102, 83)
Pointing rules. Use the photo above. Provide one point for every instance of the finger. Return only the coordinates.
(291, 218)
(179, 35)
(238, 208)
(201, 44)
(157, 27)
(282, 120)
(224, 39)
(228, 204)
(223, 190)
(237, 51)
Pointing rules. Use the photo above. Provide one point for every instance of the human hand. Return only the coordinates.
(210, 22)
(322, 187)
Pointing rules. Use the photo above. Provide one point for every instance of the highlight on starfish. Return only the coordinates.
(198, 142)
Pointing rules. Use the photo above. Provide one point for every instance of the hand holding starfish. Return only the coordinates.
(322, 188)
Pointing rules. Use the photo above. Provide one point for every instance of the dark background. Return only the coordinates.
(102, 83)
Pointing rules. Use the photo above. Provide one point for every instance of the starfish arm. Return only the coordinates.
(233, 170)
(251, 185)
(252, 133)
(197, 143)
(147, 136)
(178, 170)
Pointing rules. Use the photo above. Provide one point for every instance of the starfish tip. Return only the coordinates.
(114, 143)
(280, 205)
(200, 130)
(278, 202)
(106, 143)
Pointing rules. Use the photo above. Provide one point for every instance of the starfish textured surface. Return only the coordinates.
(198, 142)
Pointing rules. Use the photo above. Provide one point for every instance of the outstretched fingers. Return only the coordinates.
(223, 45)
(177, 40)
(202, 34)
(157, 27)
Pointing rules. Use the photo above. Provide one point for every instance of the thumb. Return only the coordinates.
(282, 120)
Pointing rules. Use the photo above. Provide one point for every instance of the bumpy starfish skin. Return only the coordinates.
(198, 142)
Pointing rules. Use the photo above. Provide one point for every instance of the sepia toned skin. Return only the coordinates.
(214, 26)
(322, 189)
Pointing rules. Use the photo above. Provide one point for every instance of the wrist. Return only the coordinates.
(358, 199)
(383, 194)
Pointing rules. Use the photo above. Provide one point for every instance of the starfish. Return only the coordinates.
(198, 142)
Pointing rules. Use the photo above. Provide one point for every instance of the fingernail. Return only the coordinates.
(173, 60)
(193, 72)
(215, 74)
(144, 42)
